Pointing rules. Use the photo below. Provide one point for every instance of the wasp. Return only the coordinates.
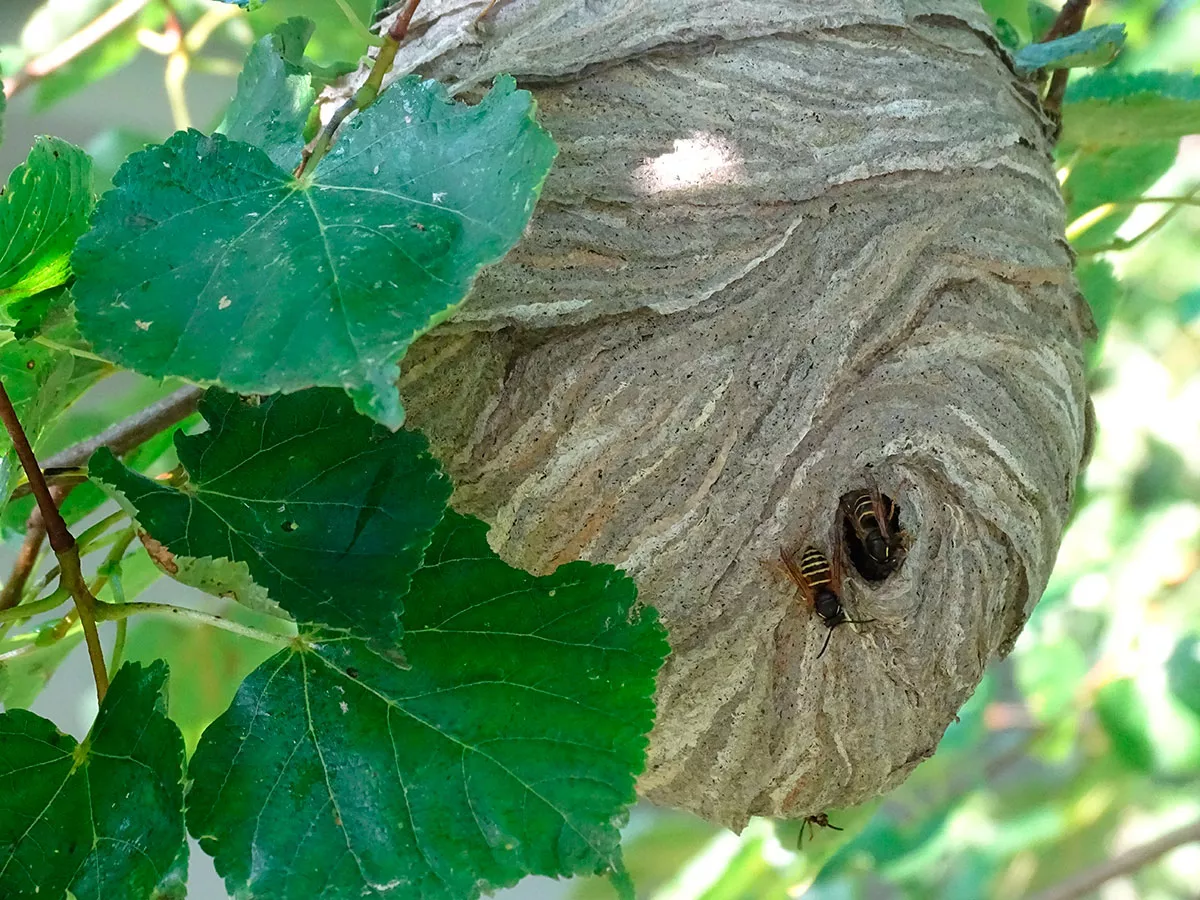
(820, 584)
(820, 819)
(872, 533)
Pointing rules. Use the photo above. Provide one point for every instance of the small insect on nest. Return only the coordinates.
(820, 584)
(821, 820)
(871, 532)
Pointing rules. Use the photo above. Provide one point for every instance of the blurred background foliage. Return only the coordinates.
(1082, 744)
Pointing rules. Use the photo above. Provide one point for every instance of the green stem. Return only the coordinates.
(115, 612)
(72, 578)
(1177, 203)
(356, 26)
(366, 94)
(37, 607)
(118, 651)
(87, 538)
(111, 567)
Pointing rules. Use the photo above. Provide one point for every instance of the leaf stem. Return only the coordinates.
(1177, 203)
(118, 650)
(85, 605)
(1104, 210)
(366, 94)
(36, 608)
(356, 24)
(1082, 883)
(117, 611)
(112, 562)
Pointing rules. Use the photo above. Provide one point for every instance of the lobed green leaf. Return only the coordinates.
(297, 496)
(274, 95)
(504, 743)
(43, 211)
(101, 819)
(209, 261)
(1131, 108)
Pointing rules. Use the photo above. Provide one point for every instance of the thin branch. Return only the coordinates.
(62, 542)
(132, 431)
(1122, 244)
(61, 539)
(366, 94)
(86, 37)
(27, 556)
(1083, 883)
(71, 577)
(120, 438)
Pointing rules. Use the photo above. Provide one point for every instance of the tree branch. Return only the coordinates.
(1088, 880)
(132, 431)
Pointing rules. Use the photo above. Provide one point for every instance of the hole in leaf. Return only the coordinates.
(290, 525)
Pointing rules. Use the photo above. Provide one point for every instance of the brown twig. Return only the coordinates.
(27, 556)
(133, 431)
(87, 36)
(61, 539)
(62, 542)
(1068, 22)
(1082, 883)
(120, 438)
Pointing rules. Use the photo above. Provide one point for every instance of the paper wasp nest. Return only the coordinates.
(787, 249)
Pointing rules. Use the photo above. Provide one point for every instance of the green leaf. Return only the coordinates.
(1103, 293)
(1011, 16)
(1183, 673)
(1041, 18)
(300, 496)
(1189, 306)
(102, 819)
(1131, 108)
(209, 261)
(41, 383)
(1117, 174)
(215, 661)
(23, 676)
(110, 148)
(43, 211)
(1090, 47)
(245, 4)
(506, 744)
(274, 95)
(1121, 709)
